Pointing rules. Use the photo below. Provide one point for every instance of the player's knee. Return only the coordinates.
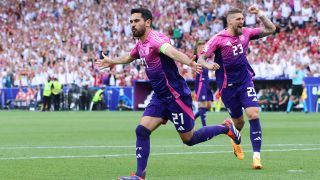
(239, 124)
(253, 115)
(142, 132)
(189, 143)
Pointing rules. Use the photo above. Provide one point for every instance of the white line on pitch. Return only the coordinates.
(153, 154)
(133, 146)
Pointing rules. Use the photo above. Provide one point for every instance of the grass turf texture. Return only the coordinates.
(100, 145)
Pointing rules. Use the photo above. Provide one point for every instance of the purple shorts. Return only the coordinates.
(178, 111)
(236, 97)
(205, 94)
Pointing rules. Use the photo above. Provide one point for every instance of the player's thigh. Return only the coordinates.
(181, 114)
(209, 95)
(154, 114)
(232, 102)
(248, 96)
(209, 98)
(151, 123)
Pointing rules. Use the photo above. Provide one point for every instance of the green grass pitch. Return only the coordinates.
(100, 145)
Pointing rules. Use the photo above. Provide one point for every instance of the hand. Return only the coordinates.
(214, 66)
(253, 10)
(103, 63)
(196, 67)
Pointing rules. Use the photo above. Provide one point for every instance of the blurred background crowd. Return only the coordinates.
(62, 38)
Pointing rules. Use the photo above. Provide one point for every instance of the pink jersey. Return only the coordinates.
(230, 53)
(161, 70)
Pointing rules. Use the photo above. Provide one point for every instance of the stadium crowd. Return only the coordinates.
(62, 38)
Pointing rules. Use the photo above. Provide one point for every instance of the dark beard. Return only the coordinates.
(237, 33)
(139, 33)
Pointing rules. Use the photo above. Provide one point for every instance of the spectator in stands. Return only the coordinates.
(98, 102)
(273, 100)
(297, 87)
(21, 99)
(47, 91)
(283, 99)
(65, 37)
(37, 97)
(30, 96)
(8, 78)
(85, 98)
(263, 100)
(56, 93)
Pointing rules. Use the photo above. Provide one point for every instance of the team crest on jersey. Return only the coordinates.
(228, 43)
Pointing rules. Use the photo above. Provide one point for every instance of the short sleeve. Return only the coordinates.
(134, 52)
(210, 46)
(254, 33)
(160, 43)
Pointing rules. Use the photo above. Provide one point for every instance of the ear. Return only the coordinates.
(229, 18)
(228, 22)
(148, 23)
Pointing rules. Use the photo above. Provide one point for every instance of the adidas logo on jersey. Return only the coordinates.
(181, 128)
(255, 99)
(228, 43)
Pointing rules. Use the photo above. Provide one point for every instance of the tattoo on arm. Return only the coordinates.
(269, 27)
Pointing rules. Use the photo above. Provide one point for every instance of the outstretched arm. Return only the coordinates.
(269, 27)
(106, 62)
(204, 63)
(176, 55)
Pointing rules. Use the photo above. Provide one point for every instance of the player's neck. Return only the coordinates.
(231, 32)
(145, 36)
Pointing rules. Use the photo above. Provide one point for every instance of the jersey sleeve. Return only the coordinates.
(210, 46)
(160, 43)
(254, 33)
(135, 53)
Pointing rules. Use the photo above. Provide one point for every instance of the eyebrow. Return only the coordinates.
(131, 20)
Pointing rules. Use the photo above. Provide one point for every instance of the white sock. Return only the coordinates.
(256, 154)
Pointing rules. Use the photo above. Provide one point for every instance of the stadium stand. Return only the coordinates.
(62, 38)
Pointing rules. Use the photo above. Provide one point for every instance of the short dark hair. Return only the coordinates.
(234, 11)
(198, 43)
(145, 13)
